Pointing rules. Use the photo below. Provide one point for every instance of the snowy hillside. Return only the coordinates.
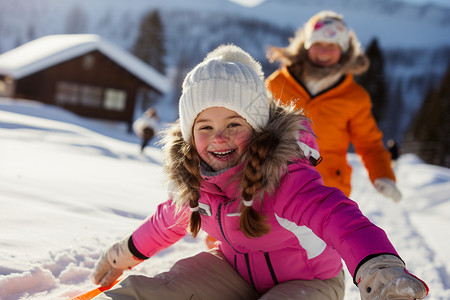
(395, 23)
(69, 187)
(415, 38)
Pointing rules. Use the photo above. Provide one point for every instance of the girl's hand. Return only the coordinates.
(385, 277)
(113, 262)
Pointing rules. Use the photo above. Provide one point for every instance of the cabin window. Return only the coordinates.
(3, 88)
(115, 99)
(7, 86)
(91, 96)
(88, 62)
(66, 93)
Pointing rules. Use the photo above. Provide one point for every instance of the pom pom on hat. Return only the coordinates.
(327, 26)
(228, 77)
(233, 53)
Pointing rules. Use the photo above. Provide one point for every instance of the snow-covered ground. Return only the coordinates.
(69, 187)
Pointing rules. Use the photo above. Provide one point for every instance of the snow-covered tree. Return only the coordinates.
(149, 45)
(76, 20)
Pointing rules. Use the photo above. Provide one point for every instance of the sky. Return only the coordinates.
(420, 2)
(70, 187)
(251, 3)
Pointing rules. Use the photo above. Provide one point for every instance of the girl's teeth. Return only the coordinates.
(225, 153)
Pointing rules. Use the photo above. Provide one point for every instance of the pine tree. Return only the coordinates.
(149, 45)
(76, 21)
(374, 79)
(182, 70)
(429, 133)
(393, 116)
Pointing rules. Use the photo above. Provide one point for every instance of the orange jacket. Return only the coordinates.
(340, 115)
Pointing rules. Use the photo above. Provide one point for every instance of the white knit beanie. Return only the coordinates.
(327, 26)
(228, 77)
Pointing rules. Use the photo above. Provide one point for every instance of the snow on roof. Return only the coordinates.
(53, 49)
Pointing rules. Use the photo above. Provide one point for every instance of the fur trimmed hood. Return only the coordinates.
(182, 163)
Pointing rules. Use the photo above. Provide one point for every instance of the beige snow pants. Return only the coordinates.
(209, 276)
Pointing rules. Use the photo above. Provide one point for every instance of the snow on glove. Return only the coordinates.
(385, 277)
(113, 262)
(388, 188)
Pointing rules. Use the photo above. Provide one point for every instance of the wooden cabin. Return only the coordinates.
(82, 73)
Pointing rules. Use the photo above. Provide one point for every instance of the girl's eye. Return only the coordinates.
(333, 46)
(234, 125)
(205, 128)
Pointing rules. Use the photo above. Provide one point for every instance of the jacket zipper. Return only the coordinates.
(247, 260)
(269, 264)
(218, 218)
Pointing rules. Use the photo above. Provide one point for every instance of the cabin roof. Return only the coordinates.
(50, 50)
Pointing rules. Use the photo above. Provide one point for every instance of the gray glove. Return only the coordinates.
(388, 188)
(385, 277)
(114, 260)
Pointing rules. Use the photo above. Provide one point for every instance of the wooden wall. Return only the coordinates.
(91, 70)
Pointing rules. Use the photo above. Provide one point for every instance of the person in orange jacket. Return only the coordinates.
(316, 75)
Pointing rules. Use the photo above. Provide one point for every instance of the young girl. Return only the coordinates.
(238, 173)
(317, 76)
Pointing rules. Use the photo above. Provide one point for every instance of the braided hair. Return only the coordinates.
(251, 222)
(184, 158)
(265, 150)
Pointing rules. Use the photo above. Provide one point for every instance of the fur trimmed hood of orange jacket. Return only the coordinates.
(182, 163)
(295, 56)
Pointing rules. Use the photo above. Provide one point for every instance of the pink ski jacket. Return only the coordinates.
(312, 226)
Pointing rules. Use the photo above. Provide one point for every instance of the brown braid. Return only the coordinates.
(251, 222)
(185, 159)
(192, 162)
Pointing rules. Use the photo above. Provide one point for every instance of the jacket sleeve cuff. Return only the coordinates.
(134, 250)
(367, 258)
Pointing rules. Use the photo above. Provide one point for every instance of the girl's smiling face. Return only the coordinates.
(324, 54)
(221, 136)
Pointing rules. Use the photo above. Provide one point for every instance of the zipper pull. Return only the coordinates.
(218, 212)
